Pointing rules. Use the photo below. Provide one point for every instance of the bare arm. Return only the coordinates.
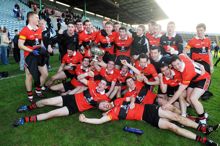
(111, 88)
(102, 64)
(124, 62)
(176, 95)
(156, 82)
(163, 87)
(82, 77)
(103, 119)
(22, 46)
(97, 67)
(61, 67)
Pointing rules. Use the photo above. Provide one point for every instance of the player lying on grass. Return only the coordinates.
(152, 114)
(69, 104)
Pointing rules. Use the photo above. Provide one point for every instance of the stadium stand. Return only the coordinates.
(7, 18)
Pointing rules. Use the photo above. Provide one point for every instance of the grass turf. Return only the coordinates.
(69, 131)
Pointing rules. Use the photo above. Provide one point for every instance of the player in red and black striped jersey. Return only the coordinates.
(108, 72)
(195, 80)
(73, 86)
(150, 31)
(68, 66)
(154, 38)
(170, 80)
(86, 38)
(69, 104)
(145, 71)
(79, 26)
(171, 42)
(126, 109)
(30, 40)
(116, 27)
(121, 86)
(137, 90)
(199, 47)
(105, 40)
(123, 44)
(200, 52)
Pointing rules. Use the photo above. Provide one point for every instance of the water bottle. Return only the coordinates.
(133, 130)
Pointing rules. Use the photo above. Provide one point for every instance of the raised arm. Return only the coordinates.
(103, 119)
(111, 88)
(82, 77)
(124, 62)
(163, 87)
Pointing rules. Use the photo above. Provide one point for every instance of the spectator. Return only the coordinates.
(4, 46)
(16, 10)
(216, 51)
(16, 50)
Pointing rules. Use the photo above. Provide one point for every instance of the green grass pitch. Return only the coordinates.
(66, 131)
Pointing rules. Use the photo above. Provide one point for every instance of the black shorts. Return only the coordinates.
(69, 75)
(151, 115)
(206, 65)
(42, 61)
(171, 90)
(70, 102)
(68, 86)
(122, 57)
(202, 84)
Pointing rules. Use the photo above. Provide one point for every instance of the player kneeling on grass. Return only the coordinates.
(153, 114)
(170, 79)
(69, 104)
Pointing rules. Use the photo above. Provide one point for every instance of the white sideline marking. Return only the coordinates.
(15, 76)
(11, 77)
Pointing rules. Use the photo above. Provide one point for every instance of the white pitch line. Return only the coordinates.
(11, 77)
(15, 76)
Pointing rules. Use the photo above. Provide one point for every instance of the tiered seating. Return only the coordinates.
(7, 17)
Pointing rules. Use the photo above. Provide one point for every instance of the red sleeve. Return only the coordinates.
(189, 44)
(153, 71)
(112, 115)
(186, 79)
(97, 39)
(91, 84)
(23, 34)
(80, 57)
(80, 38)
(78, 70)
(164, 80)
(64, 59)
(116, 74)
(102, 72)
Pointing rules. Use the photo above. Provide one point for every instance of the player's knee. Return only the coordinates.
(177, 117)
(172, 127)
(53, 78)
(46, 74)
(193, 100)
(46, 102)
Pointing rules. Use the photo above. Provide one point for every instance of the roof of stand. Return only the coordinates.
(130, 11)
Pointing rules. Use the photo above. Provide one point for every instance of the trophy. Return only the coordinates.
(96, 52)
